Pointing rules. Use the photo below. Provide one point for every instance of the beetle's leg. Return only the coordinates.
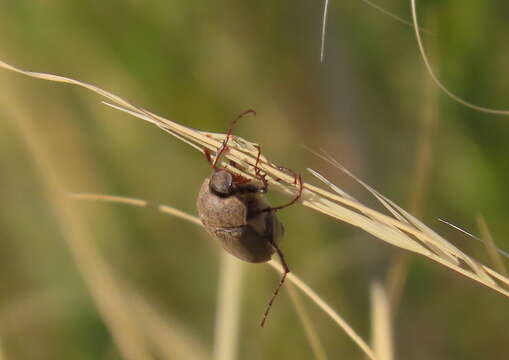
(207, 154)
(286, 270)
(221, 151)
(258, 172)
(290, 171)
(224, 146)
(298, 179)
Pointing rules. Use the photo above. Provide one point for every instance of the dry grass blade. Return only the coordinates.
(136, 202)
(291, 276)
(428, 119)
(228, 308)
(394, 16)
(100, 280)
(401, 229)
(410, 233)
(328, 310)
(324, 28)
(493, 251)
(434, 77)
(307, 324)
(381, 323)
(369, 3)
(2, 357)
(498, 250)
(171, 339)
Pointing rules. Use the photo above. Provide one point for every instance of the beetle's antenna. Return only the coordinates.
(286, 270)
(224, 147)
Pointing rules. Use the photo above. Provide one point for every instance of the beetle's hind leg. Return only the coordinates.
(286, 270)
(298, 180)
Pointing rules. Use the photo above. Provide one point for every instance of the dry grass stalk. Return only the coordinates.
(428, 118)
(292, 278)
(381, 323)
(2, 357)
(435, 78)
(368, 3)
(493, 252)
(401, 229)
(328, 310)
(169, 337)
(100, 280)
(307, 324)
(228, 308)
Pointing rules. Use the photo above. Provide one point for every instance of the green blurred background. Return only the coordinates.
(200, 63)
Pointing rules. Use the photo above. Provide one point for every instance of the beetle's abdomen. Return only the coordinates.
(245, 243)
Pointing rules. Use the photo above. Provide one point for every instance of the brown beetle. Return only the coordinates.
(233, 209)
(234, 213)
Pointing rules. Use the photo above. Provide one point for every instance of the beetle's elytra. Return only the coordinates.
(233, 210)
(237, 219)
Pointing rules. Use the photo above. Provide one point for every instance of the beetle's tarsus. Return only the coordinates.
(286, 270)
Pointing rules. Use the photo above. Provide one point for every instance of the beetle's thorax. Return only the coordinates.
(219, 210)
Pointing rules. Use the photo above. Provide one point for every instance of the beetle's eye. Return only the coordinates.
(221, 183)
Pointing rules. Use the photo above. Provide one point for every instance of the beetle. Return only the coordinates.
(233, 209)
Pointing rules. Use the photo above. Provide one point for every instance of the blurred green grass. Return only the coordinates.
(201, 64)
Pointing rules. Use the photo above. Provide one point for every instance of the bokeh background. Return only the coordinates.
(370, 104)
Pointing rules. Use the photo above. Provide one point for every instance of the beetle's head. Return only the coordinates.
(221, 183)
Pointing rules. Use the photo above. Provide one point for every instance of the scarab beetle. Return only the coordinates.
(233, 209)
(235, 213)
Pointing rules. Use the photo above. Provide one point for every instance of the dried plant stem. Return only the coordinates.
(396, 279)
(99, 279)
(307, 324)
(428, 121)
(434, 77)
(170, 338)
(400, 228)
(137, 202)
(495, 256)
(324, 28)
(368, 3)
(381, 323)
(2, 356)
(228, 308)
(328, 310)
(291, 276)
